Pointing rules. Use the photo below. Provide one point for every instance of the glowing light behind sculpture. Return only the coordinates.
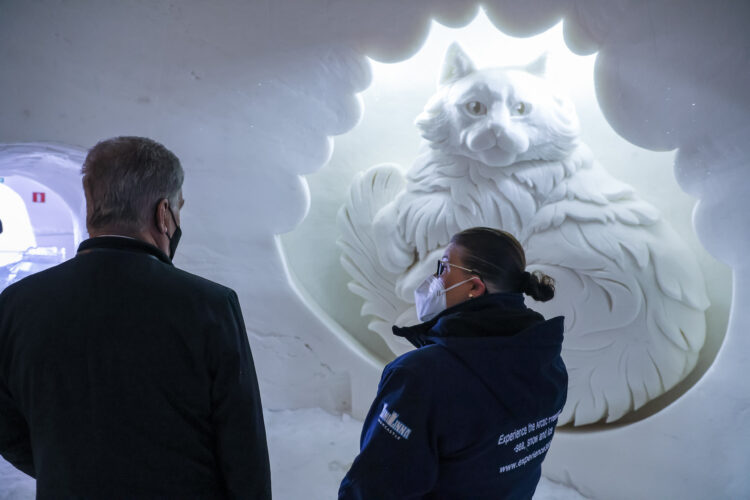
(488, 46)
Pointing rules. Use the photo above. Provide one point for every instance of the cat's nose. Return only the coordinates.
(513, 141)
(507, 136)
(499, 120)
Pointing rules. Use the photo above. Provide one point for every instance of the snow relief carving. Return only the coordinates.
(502, 149)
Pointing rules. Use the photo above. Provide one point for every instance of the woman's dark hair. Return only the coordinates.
(500, 261)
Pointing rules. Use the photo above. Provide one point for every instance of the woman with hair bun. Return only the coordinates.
(471, 412)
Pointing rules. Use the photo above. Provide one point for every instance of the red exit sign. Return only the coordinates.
(38, 197)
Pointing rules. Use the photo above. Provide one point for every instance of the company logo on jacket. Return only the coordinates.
(389, 421)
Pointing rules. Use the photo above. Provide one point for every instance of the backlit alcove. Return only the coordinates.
(255, 99)
(387, 134)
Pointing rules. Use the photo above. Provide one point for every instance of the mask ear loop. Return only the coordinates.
(445, 290)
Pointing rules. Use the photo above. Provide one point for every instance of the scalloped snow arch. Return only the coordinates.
(386, 133)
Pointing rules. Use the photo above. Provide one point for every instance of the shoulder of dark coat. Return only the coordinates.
(193, 281)
(422, 361)
(178, 281)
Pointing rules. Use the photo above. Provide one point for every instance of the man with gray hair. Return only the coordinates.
(121, 375)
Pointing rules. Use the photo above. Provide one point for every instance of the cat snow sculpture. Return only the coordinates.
(502, 149)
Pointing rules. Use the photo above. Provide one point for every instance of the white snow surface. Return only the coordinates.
(310, 452)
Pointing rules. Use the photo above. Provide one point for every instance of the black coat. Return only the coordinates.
(468, 415)
(122, 376)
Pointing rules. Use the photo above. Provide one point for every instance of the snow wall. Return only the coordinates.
(250, 94)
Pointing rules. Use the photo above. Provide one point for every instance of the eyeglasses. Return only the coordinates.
(444, 266)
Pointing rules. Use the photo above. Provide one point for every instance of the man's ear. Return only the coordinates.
(160, 215)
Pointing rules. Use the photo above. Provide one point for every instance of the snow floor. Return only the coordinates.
(310, 452)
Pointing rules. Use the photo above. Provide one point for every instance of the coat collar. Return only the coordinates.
(494, 305)
(122, 243)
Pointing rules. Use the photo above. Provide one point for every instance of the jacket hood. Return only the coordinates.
(502, 342)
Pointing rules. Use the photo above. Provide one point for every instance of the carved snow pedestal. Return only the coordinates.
(502, 150)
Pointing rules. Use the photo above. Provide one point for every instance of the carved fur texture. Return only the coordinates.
(502, 149)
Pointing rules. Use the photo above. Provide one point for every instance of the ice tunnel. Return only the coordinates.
(16, 232)
(40, 229)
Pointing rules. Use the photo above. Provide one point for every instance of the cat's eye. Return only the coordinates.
(522, 108)
(476, 108)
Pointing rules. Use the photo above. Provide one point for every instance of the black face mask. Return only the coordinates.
(174, 240)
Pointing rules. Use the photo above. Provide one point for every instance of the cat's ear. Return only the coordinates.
(539, 66)
(456, 65)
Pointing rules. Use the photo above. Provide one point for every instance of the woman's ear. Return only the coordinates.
(477, 288)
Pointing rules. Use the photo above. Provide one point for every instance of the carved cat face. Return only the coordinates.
(498, 116)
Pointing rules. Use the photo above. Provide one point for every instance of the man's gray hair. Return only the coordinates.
(124, 179)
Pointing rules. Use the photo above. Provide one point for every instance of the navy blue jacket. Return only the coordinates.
(122, 376)
(468, 415)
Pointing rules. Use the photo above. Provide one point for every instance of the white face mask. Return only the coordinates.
(430, 297)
